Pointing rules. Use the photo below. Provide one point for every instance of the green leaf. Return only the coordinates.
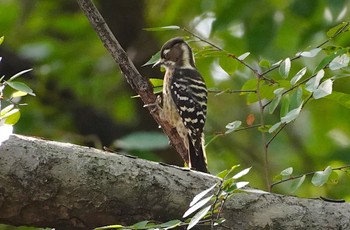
(292, 115)
(241, 173)
(171, 224)
(12, 117)
(321, 177)
(6, 110)
(236, 186)
(228, 65)
(19, 74)
(325, 61)
(341, 98)
(197, 206)
(342, 27)
(200, 195)
(298, 76)
(324, 89)
(163, 28)
(232, 126)
(18, 94)
(311, 53)
(141, 224)
(243, 56)
(339, 62)
(156, 82)
(249, 85)
(285, 105)
(312, 84)
(222, 174)
(274, 127)
(115, 226)
(333, 178)
(286, 172)
(154, 59)
(296, 183)
(296, 97)
(274, 103)
(2, 38)
(285, 68)
(265, 63)
(199, 215)
(20, 86)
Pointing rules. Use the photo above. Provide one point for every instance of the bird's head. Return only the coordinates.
(176, 53)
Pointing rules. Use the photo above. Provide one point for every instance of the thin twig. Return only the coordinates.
(306, 174)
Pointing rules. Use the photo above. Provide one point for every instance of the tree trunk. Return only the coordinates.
(65, 186)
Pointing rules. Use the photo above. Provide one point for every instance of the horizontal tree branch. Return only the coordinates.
(65, 186)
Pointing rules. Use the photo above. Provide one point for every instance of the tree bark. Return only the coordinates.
(65, 186)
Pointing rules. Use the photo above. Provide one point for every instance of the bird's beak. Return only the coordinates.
(158, 63)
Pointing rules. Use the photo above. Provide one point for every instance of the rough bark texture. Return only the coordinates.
(50, 184)
(138, 83)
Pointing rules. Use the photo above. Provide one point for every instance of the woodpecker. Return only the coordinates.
(184, 99)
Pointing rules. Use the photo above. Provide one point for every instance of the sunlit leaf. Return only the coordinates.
(311, 53)
(20, 86)
(324, 89)
(163, 28)
(2, 39)
(321, 177)
(313, 83)
(115, 226)
(12, 117)
(200, 195)
(18, 94)
(241, 173)
(232, 126)
(285, 68)
(286, 172)
(199, 215)
(274, 127)
(222, 174)
(325, 61)
(243, 56)
(298, 76)
(292, 115)
(6, 110)
(197, 206)
(339, 62)
(296, 183)
(156, 82)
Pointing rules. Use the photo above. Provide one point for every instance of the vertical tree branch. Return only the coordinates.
(139, 84)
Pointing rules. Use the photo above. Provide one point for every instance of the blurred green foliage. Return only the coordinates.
(73, 74)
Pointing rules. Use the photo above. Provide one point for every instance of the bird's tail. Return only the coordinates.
(198, 160)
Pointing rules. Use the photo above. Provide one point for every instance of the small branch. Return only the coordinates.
(138, 83)
(306, 174)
